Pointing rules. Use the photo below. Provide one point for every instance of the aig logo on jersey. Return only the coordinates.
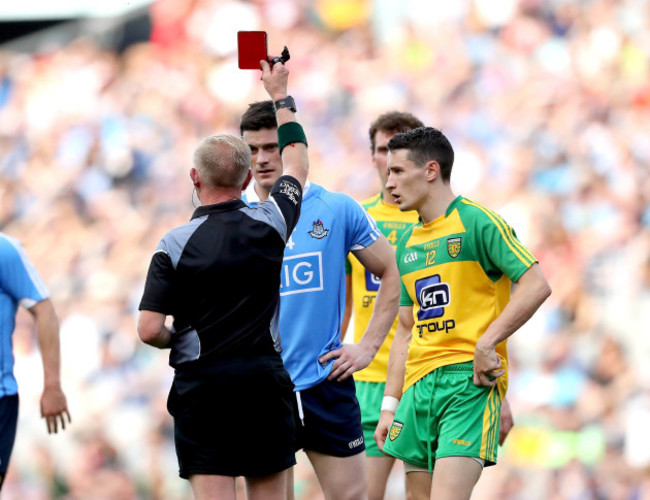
(432, 296)
(302, 273)
(454, 246)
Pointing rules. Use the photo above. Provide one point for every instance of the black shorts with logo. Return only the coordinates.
(328, 419)
(8, 421)
(234, 424)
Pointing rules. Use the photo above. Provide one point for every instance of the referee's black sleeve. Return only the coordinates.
(158, 288)
(287, 194)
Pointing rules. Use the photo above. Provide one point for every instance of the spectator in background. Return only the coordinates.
(21, 284)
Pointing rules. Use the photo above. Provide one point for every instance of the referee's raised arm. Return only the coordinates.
(291, 137)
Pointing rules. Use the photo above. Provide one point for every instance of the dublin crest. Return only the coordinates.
(319, 232)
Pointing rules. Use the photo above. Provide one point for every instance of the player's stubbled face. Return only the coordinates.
(266, 161)
(406, 182)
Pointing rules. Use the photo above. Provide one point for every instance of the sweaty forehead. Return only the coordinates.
(261, 138)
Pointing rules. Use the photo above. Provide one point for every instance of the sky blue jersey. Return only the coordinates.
(19, 284)
(312, 291)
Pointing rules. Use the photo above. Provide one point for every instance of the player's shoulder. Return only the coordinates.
(9, 245)
(336, 200)
(176, 238)
(476, 214)
(373, 201)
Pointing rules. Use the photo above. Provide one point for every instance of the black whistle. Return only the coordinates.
(283, 58)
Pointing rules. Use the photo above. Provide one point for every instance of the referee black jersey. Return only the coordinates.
(218, 275)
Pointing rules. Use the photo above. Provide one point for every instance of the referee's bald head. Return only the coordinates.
(222, 160)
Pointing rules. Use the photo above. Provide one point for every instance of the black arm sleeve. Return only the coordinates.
(158, 288)
(287, 193)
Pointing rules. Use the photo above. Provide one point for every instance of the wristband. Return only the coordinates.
(289, 133)
(389, 403)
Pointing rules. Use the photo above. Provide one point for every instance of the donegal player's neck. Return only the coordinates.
(436, 203)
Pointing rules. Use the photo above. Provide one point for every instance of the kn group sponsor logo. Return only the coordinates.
(432, 296)
(302, 273)
(453, 247)
(372, 282)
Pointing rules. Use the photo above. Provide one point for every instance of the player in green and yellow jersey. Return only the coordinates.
(447, 372)
(361, 293)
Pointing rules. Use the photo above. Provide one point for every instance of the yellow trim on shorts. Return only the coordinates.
(489, 440)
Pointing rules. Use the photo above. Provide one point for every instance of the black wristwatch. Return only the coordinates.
(287, 102)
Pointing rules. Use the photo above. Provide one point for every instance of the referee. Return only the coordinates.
(218, 276)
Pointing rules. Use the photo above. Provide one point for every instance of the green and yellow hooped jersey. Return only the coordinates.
(456, 272)
(392, 223)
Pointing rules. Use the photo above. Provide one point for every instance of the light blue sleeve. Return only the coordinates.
(18, 277)
(361, 228)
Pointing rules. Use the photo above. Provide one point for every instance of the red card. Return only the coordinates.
(251, 48)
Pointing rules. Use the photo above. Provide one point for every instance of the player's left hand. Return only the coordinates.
(487, 365)
(350, 358)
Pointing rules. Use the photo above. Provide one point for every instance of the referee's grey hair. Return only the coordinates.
(223, 160)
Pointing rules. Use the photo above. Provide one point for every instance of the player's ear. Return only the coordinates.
(433, 170)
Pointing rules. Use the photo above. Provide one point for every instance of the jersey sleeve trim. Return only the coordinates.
(374, 235)
(521, 252)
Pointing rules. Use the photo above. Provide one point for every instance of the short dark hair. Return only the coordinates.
(392, 122)
(259, 115)
(425, 144)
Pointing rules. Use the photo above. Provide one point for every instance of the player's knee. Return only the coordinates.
(349, 490)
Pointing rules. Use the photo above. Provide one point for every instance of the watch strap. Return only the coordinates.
(287, 102)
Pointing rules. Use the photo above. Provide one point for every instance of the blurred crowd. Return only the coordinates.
(547, 103)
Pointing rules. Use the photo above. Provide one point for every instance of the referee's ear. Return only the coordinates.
(194, 175)
(248, 179)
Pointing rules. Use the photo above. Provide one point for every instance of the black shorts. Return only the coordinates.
(233, 424)
(8, 421)
(329, 419)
